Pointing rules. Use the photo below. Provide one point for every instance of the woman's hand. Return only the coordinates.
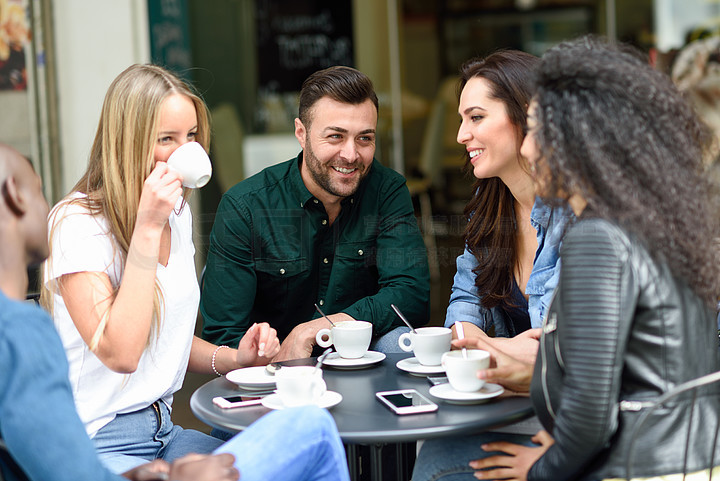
(161, 190)
(522, 347)
(505, 370)
(515, 464)
(258, 346)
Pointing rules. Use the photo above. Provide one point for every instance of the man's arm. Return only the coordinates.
(229, 281)
(402, 264)
(39, 423)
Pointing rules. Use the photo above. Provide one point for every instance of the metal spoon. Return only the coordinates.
(322, 358)
(461, 335)
(272, 368)
(400, 315)
(323, 314)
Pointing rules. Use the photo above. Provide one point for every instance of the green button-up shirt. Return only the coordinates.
(273, 255)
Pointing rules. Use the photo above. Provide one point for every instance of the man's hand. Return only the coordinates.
(193, 467)
(156, 470)
(197, 467)
(515, 464)
(301, 340)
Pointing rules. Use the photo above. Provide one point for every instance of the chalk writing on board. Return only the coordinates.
(298, 37)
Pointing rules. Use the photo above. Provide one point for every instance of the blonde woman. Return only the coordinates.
(121, 281)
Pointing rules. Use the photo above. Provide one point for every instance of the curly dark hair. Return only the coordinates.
(490, 234)
(619, 133)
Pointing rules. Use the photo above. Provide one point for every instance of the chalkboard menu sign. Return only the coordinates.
(298, 37)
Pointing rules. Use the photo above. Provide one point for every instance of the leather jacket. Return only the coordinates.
(622, 330)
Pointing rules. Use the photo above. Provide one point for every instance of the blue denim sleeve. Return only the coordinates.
(465, 303)
(38, 420)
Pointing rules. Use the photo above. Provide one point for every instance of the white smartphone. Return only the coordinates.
(406, 401)
(234, 402)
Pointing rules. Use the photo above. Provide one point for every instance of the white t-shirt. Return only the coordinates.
(81, 243)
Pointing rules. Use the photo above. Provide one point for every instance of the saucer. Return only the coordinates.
(254, 378)
(447, 393)
(326, 401)
(371, 357)
(413, 366)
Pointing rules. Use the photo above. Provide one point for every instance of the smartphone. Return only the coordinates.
(234, 402)
(435, 380)
(406, 401)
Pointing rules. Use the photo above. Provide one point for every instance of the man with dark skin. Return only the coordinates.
(38, 423)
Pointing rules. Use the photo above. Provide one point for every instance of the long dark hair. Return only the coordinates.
(490, 234)
(618, 132)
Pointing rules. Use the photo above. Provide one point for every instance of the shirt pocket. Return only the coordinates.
(277, 277)
(355, 268)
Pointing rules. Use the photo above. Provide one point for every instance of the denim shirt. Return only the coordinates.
(38, 421)
(465, 301)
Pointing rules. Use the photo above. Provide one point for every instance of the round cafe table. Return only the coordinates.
(361, 418)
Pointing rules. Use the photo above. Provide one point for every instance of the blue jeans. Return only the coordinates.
(388, 342)
(447, 459)
(135, 438)
(298, 444)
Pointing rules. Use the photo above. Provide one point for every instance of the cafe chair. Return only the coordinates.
(703, 386)
(227, 146)
(33, 298)
(429, 167)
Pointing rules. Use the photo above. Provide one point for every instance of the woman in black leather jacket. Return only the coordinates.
(633, 314)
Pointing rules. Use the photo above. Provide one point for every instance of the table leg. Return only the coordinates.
(353, 460)
(400, 461)
(376, 468)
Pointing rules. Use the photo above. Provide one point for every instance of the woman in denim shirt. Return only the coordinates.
(465, 302)
(510, 266)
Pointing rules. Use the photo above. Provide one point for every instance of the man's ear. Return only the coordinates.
(13, 196)
(300, 132)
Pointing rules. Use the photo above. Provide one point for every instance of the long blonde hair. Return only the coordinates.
(122, 156)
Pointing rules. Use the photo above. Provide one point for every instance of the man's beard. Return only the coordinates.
(320, 173)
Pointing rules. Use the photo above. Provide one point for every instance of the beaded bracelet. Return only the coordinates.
(213, 359)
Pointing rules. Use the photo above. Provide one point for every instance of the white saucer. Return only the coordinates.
(371, 357)
(328, 400)
(254, 378)
(447, 393)
(413, 366)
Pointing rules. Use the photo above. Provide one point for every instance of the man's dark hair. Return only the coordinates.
(342, 84)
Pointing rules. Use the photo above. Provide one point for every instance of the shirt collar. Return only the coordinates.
(303, 195)
(540, 214)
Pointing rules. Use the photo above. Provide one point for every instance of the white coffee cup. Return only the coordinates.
(462, 373)
(350, 338)
(428, 344)
(299, 385)
(192, 163)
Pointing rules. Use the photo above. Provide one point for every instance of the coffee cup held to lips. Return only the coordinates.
(350, 338)
(428, 344)
(462, 372)
(299, 385)
(192, 162)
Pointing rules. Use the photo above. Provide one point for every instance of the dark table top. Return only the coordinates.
(361, 418)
